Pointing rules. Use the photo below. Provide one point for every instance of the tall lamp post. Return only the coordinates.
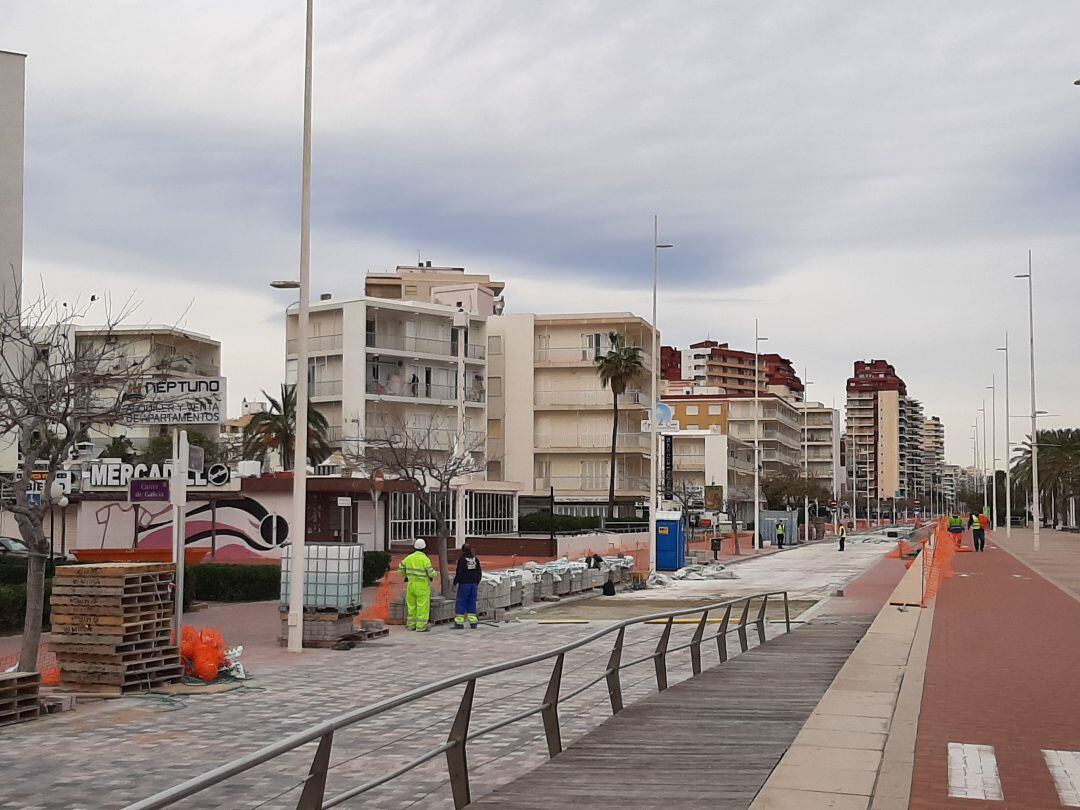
(1035, 510)
(757, 440)
(1008, 445)
(654, 374)
(806, 458)
(993, 449)
(982, 469)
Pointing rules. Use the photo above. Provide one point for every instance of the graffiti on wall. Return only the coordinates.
(238, 528)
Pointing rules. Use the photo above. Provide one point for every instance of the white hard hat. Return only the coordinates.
(419, 545)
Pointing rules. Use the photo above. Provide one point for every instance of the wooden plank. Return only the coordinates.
(707, 742)
(112, 570)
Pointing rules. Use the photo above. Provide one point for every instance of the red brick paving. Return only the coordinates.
(1003, 670)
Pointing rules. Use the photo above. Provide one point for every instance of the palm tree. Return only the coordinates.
(618, 368)
(275, 429)
(1059, 465)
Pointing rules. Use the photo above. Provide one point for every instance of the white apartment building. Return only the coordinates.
(12, 113)
(452, 286)
(950, 483)
(933, 450)
(549, 419)
(167, 353)
(821, 426)
(911, 448)
(703, 458)
(779, 430)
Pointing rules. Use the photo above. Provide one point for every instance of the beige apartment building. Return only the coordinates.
(167, 353)
(12, 113)
(450, 286)
(821, 425)
(550, 420)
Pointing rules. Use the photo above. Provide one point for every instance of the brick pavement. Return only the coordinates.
(1002, 671)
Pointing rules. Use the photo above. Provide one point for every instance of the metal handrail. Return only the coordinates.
(314, 785)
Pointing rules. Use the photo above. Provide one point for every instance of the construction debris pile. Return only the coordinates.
(709, 571)
(112, 627)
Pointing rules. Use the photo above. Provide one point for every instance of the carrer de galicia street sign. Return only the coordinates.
(175, 401)
(148, 490)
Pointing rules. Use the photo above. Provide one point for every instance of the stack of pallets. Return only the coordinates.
(19, 697)
(112, 627)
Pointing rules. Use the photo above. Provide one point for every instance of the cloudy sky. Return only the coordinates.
(864, 180)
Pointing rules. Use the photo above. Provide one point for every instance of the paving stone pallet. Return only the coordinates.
(112, 627)
(19, 697)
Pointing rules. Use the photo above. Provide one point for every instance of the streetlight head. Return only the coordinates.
(665, 245)
(1002, 348)
(285, 285)
(1022, 275)
(1077, 82)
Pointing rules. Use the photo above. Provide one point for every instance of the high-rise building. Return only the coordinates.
(709, 364)
(12, 106)
(821, 425)
(911, 448)
(549, 419)
(933, 446)
(874, 395)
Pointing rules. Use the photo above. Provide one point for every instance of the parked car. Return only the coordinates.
(13, 548)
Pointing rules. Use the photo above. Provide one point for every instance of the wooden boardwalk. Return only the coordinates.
(710, 741)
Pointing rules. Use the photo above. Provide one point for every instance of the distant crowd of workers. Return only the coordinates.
(979, 523)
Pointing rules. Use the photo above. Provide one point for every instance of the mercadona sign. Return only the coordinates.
(175, 401)
(116, 475)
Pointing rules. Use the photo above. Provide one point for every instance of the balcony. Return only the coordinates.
(591, 484)
(425, 436)
(411, 390)
(684, 463)
(475, 396)
(325, 388)
(577, 356)
(316, 343)
(588, 399)
(411, 344)
(592, 441)
(474, 351)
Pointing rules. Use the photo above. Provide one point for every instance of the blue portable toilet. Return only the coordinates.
(670, 541)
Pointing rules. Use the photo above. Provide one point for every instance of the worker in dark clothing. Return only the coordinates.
(978, 533)
(594, 560)
(467, 579)
(781, 529)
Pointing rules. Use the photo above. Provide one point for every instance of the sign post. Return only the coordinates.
(179, 503)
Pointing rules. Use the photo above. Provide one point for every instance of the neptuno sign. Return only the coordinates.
(190, 401)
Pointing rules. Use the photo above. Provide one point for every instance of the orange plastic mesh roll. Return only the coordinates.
(202, 651)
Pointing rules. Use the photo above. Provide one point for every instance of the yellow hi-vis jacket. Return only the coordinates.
(416, 567)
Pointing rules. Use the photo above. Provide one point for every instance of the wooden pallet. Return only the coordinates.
(19, 697)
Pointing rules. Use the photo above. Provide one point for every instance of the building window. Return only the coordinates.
(494, 344)
(692, 427)
(495, 386)
(691, 410)
(716, 410)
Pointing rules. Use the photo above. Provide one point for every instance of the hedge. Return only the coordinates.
(13, 606)
(232, 582)
(13, 570)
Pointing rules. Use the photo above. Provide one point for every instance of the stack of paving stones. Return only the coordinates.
(112, 627)
(322, 628)
(19, 697)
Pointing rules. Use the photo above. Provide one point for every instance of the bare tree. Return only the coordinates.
(52, 388)
(433, 455)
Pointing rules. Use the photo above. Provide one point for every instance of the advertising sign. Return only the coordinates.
(175, 401)
(148, 490)
(116, 475)
(669, 465)
(714, 498)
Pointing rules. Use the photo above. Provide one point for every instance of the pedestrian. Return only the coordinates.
(956, 528)
(594, 560)
(780, 531)
(978, 534)
(467, 578)
(984, 526)
(842, 535)
(417, 571)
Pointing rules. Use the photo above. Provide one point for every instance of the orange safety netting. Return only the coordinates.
(46, 665)
(379, 610)
(938, 553)
(202, 651)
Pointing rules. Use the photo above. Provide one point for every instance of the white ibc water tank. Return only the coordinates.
(249, 469)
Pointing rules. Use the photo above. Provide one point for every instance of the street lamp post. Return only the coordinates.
(993, 449)
(806, 459)
(986, 494)
(1008, 445)
(653, 374)
(757, 440)
(1035, 510)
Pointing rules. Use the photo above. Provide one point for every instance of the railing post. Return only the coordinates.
(721, 637)
(550, 711)
(660, 661)
(743, 642)
(613, 682)
(456, 761)
(787, 614)
(695, 643)
(761, 619)
(315, 786)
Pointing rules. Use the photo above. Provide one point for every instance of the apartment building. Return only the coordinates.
(12, 113)
(874, 394)
(950, 483)
(911, 448)
(549, 419)
(711, 364)
(451, 286)
(377, 365)
(167, 353)
(933, 449)
(821, 432)
(709, 457)
(779, 421)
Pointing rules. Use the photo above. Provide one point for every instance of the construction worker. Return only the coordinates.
(841, 533)
(781, 528)
(956, 528)
(467, 578)
(418, 573)
(978, 523)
